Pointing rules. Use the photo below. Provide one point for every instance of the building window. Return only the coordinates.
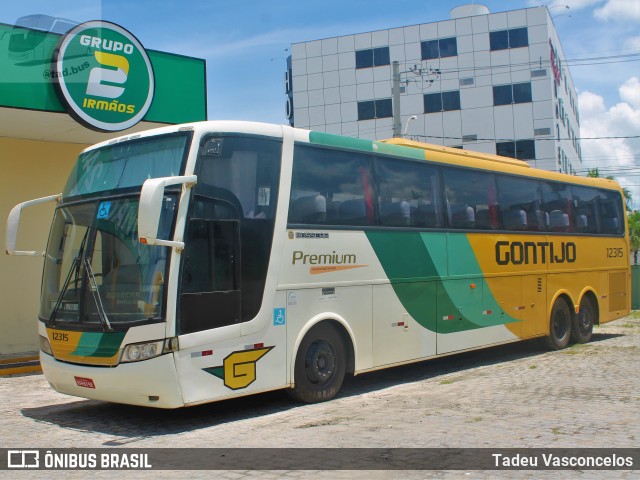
(441, 102)
(372, 57)
(520, 149)
(504, 39)
(508, 94)
(375, 109)
(444, 47)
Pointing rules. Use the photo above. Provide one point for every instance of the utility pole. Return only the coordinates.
(421, 74)
(395, 93)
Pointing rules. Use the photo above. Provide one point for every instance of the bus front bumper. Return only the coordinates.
(149, 383)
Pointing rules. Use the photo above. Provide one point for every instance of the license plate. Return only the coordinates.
(85, 382)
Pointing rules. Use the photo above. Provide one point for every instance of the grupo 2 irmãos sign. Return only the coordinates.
(103, 76)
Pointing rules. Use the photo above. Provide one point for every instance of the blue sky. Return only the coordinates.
(245, 44)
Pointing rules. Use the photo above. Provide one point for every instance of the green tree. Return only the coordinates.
(628, 196)
(634, 234)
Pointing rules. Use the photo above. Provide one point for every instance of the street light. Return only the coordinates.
(406, 125)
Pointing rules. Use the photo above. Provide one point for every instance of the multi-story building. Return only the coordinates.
(490, 82)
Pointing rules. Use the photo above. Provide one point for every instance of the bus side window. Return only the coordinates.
(585, 209)
(521, 204)
(611, 211)
(471, 199)
(408, 193)
(558, 203)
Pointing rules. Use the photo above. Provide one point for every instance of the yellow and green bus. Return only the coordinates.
(207, 261)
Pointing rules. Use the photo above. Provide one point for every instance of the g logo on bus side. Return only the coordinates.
(238, 369)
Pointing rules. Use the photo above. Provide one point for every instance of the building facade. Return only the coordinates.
(489, 82)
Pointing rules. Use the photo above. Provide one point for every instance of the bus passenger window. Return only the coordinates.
(408, 194)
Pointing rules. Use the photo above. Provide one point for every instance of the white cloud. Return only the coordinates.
(630, 92)
(619, 157)
(558, 5)
(632, 43)
(621, 10)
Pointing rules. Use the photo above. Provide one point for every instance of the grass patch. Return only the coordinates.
(446, 382)
(474, 420)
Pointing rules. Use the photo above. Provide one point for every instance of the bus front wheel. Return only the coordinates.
(320, 365)
(559, 326)
(582, 326)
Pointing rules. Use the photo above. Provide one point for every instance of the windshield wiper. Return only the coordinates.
(75, 266)
(93, 286)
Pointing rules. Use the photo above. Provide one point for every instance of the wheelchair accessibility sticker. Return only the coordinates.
(103, 210)
(279, 317)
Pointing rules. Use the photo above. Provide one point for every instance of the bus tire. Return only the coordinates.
(582, 325)
(559, 326)
(320, 365)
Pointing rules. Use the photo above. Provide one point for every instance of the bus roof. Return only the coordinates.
(456, 151)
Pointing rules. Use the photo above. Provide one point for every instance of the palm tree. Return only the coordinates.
(634, 234)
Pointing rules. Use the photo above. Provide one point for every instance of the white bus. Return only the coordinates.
(202, 262)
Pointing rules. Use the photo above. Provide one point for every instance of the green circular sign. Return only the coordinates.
(103, 76)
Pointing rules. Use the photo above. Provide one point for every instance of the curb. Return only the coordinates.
(13, 366)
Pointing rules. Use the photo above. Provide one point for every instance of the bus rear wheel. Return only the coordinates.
(559, 326)
(320, 365)
(582, 325)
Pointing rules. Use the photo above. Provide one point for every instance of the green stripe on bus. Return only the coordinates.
(93, 344)
(360, 144)
(332, 140)
(415, 264)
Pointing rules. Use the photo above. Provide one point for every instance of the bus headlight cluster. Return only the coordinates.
(45, 346)
(136, 352)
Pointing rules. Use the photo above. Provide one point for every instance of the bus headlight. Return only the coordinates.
(136, 352)
(45, 346)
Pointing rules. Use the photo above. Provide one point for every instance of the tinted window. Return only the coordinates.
(432, 103)
(525, 149)
(502, 95)
(371, 109)
(430, 50)
(585, 209)
(381, 56)
(516, 93)
(499, 40)
(503, 39)
(408, 194)
(384, 108)
(364, 58)
(520, 149)
(470, 199)
(518, 37)
(558, 206)
(366, 110)
(331, 187)
(442, 101)
(522, 92)
(372, 57)
(506, 149)
(229, 232)
(611, 213)
(448, 47)
(451, 101)
(520, 204)
(445, 47)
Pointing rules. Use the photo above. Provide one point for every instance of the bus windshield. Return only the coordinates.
(96, 272)
(127, 164)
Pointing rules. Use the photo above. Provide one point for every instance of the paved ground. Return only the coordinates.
(513, 396)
